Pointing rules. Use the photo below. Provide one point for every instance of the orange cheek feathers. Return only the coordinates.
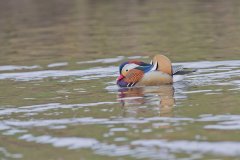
(134, 76)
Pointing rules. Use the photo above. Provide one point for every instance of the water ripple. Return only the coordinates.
(49, 106)
(205, 70)
(38, 75)
(69, 142)
(227, 148)
(13, 67)
(7, 154)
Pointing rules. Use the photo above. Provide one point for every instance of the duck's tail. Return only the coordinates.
(179, 70)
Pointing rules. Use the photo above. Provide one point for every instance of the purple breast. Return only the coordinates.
(122, 83)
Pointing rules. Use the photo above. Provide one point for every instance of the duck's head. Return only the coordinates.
(130, 72)
(125, 67)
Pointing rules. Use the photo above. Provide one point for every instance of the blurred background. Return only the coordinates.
(35, 32)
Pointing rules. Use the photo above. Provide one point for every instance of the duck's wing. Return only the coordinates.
(179, 70)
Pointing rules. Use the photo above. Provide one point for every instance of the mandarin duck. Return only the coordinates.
(136, 73)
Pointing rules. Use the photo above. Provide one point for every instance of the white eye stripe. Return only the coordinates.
(129, 66)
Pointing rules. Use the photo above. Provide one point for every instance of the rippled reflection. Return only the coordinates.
(161, 98)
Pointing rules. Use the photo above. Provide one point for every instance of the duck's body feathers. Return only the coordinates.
(154, 78)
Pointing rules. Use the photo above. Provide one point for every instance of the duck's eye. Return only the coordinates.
(126, 70)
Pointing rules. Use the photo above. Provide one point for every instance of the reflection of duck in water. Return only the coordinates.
(161, 97)
(137, 73)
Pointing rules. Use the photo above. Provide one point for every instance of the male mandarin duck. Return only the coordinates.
(137, 73)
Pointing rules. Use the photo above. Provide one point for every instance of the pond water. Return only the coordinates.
(59, 62)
